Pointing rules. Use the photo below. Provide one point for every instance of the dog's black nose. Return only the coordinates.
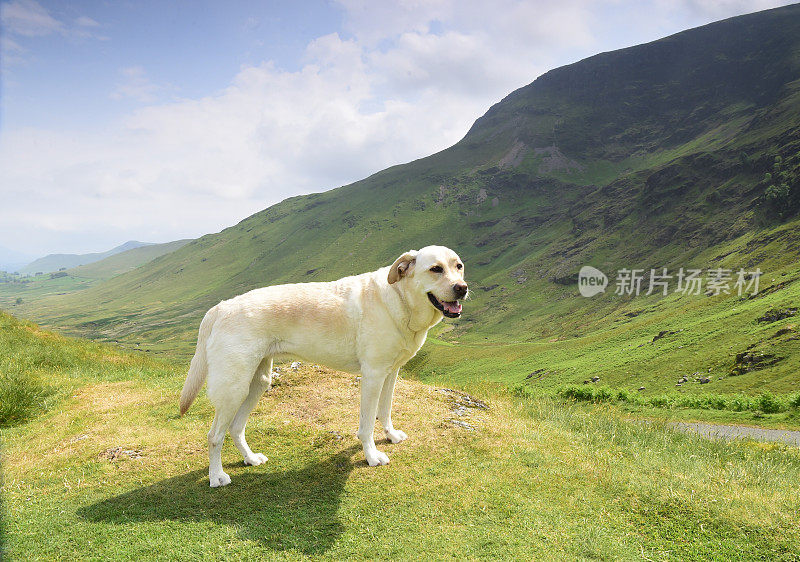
(460, 289)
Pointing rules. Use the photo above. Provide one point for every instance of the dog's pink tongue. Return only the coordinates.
(454, 307)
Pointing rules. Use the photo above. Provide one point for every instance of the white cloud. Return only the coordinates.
(86, 21)
(11, 52)
(136, 85)
(28, 18)
(724, 8)
(373, 22)
(22, 21)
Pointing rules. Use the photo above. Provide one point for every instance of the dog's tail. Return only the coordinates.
(198, 370)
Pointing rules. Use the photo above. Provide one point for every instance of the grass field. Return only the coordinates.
(105, 469)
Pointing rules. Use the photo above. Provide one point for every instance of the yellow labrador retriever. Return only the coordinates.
(371, 323)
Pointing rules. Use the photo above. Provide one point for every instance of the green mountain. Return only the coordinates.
(56, 262)
(681, 153)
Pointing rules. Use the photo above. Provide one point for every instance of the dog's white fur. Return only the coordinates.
(371, 323)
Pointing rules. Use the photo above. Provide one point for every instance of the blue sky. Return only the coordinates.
(164, 120)
(188, 49)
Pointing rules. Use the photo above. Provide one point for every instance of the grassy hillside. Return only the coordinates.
(109, 471)
(682, 153)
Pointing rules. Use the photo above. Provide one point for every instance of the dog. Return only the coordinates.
(371, 324)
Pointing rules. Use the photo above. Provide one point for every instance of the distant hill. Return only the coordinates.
(125, 261)
(684, 152)
(11, 260)
(54, 262)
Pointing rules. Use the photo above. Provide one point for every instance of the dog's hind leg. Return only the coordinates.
(228, 388)
(260, 383)
(219, 427)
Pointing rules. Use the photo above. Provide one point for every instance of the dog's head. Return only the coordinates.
(434, 271)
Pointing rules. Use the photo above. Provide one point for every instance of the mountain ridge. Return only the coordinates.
(55, 262)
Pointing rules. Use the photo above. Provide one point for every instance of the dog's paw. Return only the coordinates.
(255, 459)
(376, 458)
(220, 479)
(396, 436)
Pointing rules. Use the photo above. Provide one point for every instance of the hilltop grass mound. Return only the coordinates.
(111, 472)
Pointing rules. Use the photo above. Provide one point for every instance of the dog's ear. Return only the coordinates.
(401, 266)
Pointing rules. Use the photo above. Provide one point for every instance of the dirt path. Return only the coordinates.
(717, 431)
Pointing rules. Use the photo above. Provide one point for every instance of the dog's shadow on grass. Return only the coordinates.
(292, 510)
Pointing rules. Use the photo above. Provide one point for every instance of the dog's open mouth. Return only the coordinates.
(451, 309)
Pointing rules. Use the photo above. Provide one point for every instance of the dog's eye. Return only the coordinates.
(459, 266)
(437, 269)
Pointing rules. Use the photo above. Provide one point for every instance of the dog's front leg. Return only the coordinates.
(385, 410)
(371, 384)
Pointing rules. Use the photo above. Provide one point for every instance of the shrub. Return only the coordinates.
(604, 394)
(662, 401)
(717, 402)
(740, 403)
(766, 403)
(625, 396)
(577, 393)
(769, 403)
(587, 393)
